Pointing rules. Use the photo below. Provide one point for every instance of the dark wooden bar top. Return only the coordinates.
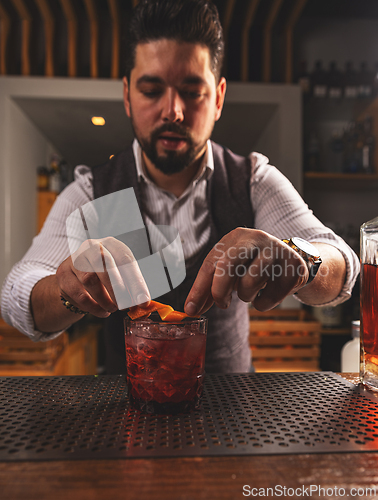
(195, 478)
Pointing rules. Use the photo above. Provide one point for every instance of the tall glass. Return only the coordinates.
(165, 364)
(369, 304)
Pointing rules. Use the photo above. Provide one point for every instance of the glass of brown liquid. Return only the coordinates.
(369, 304)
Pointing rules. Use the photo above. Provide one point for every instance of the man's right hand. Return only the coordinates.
(98, 272)
(90, 279)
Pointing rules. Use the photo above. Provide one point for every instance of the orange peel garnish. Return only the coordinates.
(166, 312)
(176, 316)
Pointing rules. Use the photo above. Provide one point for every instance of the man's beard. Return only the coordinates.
(173, 161)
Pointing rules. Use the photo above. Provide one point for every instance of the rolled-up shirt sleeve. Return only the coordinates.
(280, 210)
(48, 250)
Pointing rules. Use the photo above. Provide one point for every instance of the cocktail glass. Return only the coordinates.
(165, 364)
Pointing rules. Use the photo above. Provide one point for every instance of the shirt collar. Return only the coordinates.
(206, 170)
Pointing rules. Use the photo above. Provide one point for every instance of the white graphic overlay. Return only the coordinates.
(109, 235)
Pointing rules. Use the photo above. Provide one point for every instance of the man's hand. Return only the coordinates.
(98, 272)
(261, 268)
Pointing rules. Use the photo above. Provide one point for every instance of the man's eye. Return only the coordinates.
(192, 95)
(151, 93)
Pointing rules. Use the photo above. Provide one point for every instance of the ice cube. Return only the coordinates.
(174, 332)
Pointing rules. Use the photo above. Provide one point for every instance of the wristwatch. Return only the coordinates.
(308, 252)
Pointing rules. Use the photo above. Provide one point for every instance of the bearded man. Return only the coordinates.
(236, 216)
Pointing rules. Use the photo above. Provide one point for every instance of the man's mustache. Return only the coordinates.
(174, 128)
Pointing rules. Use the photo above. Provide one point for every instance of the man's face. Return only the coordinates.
(173, 101)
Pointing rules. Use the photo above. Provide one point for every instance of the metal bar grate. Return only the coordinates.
(87, 417)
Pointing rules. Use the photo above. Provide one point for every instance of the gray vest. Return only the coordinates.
(228, 196)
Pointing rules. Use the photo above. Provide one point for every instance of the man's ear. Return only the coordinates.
(220, 95)
(126, 95)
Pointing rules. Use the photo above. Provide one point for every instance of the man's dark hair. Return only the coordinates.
(192, 21)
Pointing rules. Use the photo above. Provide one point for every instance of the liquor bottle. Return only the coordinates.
(369, 303)
(365, 81)
(65, 174)
(336, 151)
(54, 184)
(368, 146)
(350, 353)
(43, 178)
(304, 79)
(347, 147)
(319, 81)
(351, 161)
(335, 87)
(375, 80)
(312, 161)
(351, 87)
(358, 147)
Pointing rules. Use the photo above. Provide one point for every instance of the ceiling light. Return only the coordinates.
(98, 120)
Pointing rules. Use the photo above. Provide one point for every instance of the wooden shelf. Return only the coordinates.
(336, 331)
(284, 340)
(337, 175)
(335, 181)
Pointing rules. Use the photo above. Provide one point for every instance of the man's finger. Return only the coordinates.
(201, 289)
(98, 283)
(209, 302)
(73, 290)
(225, 278)
(128, 282)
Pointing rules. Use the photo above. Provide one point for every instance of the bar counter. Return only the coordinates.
(206, 477)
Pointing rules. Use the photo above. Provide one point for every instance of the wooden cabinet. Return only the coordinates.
(284, 340)
(80, 356)
(65, 355)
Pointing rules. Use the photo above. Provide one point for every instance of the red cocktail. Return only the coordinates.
(165, 364)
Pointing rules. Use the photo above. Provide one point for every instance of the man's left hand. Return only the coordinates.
(260, 267)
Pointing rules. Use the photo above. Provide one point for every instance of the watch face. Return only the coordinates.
(305, 246)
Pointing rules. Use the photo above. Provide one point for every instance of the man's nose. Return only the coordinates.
(173, 107)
